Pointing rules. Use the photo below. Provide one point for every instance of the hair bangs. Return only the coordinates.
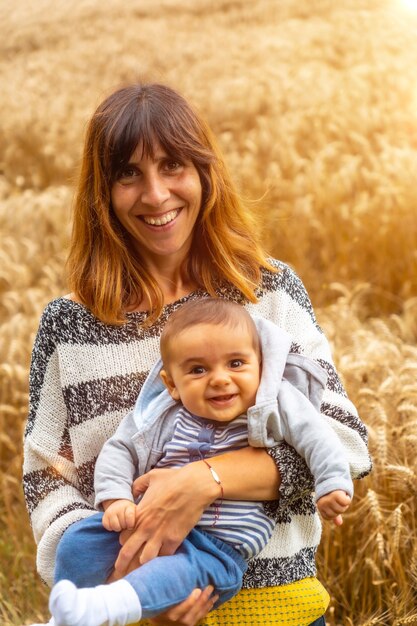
(147, 121)
(133, 127)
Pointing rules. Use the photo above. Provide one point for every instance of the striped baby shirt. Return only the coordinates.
(242, 524)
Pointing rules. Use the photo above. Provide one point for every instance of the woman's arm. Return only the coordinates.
(49, 475)
(174, 499)
(247, 474)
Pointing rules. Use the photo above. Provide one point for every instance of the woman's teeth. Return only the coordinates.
(161, 221)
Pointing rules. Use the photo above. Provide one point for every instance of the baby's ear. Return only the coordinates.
(169, 384)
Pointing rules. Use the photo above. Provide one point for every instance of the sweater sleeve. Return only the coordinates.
(293, 312)
(53, 496)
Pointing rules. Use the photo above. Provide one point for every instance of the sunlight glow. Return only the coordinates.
(411, 4)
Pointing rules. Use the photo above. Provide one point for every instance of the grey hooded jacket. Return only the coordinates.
(287, 408)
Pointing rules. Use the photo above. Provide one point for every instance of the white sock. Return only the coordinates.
(115, 604)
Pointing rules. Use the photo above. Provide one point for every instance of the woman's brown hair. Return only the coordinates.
(105, 273)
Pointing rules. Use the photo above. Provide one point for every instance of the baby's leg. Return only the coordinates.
(152, 588)
(201, 560)
(114, 605)
(86, 553)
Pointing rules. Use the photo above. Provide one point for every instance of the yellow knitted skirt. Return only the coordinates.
(297, 604)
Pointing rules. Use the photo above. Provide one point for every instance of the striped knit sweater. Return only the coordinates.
(86, 375)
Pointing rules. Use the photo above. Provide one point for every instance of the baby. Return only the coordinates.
(226, 381)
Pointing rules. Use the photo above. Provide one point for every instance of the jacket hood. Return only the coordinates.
(154, 400)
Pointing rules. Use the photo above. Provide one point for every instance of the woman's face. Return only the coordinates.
(157, 200)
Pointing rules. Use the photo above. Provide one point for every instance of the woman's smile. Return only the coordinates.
(161, 219)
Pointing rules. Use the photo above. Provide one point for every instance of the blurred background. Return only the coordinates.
(315, 107)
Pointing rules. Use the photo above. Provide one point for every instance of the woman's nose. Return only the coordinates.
(155, 191)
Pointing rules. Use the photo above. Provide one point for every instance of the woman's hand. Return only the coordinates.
(189, 612)
(172, 503)
(174, 500)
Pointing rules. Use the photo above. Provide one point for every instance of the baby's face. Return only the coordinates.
(214, 370)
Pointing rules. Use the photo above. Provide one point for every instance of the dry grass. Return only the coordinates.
(370, 564)
(315, 105)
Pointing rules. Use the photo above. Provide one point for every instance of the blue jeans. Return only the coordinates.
(87, 552)
(319, 622)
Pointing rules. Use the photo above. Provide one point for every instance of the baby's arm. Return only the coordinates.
(119, 514)
(117, 465)
(304, 428)
(333, 504)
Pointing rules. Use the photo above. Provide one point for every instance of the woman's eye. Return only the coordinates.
(127, 173)
(172, 165)
(236, 363)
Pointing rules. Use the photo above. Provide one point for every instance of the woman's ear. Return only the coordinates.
(170, 385)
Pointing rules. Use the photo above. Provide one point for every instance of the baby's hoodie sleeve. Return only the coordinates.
(116, 466)
(287, 409)
(308, 432)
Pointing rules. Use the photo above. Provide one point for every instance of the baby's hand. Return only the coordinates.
(119, 515)
(333, 504)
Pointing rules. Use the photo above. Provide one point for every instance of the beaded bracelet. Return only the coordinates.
(218, 481)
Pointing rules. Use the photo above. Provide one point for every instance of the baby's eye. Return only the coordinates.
(236, 363)
(198, 369)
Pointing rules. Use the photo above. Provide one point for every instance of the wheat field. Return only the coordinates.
(315, 106)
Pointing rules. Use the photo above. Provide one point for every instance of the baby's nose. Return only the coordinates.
(220, 377)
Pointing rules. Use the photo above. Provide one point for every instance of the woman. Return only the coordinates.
(157, 223)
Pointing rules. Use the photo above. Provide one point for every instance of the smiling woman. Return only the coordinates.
(157, 200)
(149, 156)
(158, 224)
